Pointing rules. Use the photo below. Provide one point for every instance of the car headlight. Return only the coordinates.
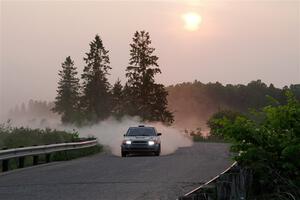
(127, 142)
(151, 143)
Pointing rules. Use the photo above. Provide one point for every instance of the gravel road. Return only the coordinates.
(105, 176)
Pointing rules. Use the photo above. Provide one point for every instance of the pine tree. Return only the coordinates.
(95, 101)
(145, 98)
(128, 100)
(117, 100)
(66, 101)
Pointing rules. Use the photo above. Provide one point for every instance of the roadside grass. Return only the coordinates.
(15, 137)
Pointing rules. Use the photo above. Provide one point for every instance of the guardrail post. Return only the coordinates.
(5, 165)
(66, 155)
(35, 160)
(21, 162)
(48, 155)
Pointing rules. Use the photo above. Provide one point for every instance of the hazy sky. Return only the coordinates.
(236, 42)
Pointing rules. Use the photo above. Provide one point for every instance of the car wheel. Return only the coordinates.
(157, 153)
(123, 154)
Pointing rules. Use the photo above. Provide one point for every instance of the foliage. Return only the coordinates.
(199, 136)
(214, 119)
(199, 101)
(32, 111)
(144, 97)
(140, 96)
(66, 101)
(14, 137)
(117, 100)
(270, 146)
(95, 101)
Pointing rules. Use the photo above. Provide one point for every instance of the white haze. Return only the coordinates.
(110, 132)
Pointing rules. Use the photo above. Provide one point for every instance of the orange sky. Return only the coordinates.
(237, 41)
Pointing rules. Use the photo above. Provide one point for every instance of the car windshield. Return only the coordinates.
(146, 131)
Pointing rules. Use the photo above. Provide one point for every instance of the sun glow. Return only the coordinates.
(191, 21)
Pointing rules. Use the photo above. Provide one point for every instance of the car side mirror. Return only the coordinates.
(158, 134)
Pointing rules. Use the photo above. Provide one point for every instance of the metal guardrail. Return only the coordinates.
(210, 181)
(34, 151)
(44, 149)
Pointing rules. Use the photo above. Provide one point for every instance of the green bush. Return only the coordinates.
(213, 122)
(268, 143)
(14, 137)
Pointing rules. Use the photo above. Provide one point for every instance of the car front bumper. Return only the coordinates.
(135, 148)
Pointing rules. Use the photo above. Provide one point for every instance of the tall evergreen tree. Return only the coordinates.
(147, 99)
(67, 98)
(128, 100)
(117, 100)
(95, 100)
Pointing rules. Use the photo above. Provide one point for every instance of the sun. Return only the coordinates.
(192, 21)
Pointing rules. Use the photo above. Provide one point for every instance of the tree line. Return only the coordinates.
(197, 101)
(33, 111)
(92, 98)
(192, 100)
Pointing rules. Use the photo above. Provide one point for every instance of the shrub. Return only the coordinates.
(14, 137)
(270, 146)
(213, 122)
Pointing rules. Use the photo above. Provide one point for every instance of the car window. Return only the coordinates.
(146, 131)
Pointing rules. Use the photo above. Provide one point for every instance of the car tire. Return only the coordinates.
(157, 153)
(123, 154)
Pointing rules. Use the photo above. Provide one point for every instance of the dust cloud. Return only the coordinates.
(110, 132)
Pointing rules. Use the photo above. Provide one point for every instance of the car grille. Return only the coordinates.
(139, 142)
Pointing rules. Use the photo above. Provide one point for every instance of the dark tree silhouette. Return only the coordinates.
(66, 101)
(95, 101)
(117, 100)
(199, 101)
(145, 98)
